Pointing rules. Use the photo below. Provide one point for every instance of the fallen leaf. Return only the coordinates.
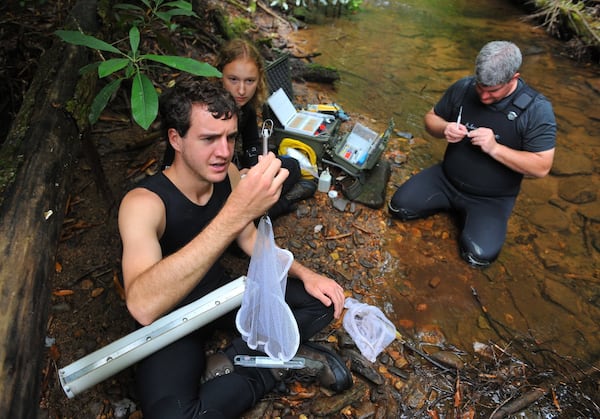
(63, 293)
(54, 353)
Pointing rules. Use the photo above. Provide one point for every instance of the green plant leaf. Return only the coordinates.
(89, 68)
(78, 38)
(179, 12)
(179, 4)
(164, 16)
(101, 100)
(108, 67)
(125, 6)
(144, 101)
(134, 40)
(186, 64)
(130, 70)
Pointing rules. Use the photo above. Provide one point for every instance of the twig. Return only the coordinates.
(338, 236)
(364, 230)
(268, 11)
(509, 408)
(239, 5)
(489, 319)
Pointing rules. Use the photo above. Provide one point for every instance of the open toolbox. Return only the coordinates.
(312, 128)
(359, 150)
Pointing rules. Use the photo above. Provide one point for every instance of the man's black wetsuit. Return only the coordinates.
(169, 380)
(480, 189)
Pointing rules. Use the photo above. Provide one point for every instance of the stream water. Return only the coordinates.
(395, 59)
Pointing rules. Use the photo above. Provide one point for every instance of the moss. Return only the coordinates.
(9, 164)
(79, 105)
(238, 26)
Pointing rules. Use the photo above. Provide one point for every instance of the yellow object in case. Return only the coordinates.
(302, 147)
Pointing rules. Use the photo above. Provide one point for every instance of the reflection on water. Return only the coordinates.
(396, 58)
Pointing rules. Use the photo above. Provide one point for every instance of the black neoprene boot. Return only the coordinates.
(321, 364)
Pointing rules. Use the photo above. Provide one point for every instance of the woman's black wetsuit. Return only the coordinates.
(252, 147)
(168, 381)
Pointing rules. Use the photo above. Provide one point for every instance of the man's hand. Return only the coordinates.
(325, 290)
(483, 138)
(455, 132)
(260, 188)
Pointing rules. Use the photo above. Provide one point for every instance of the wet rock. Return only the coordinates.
(572, 163)
(537, 190)
(259, 411)
(387, 401)
(384, 358)
(295, 244)
(361, 365)
(590, 212)
(550, 217)
(345, 341)
(123, 408)
(431, 335)
(365, 410)
(372, 193)
(594, 84)
(416, 393)
(366, 263)
(435, 282)
(61, 307)
(331, 406)
(357, 239)
(577, 190)
(302, 211)
(449, 359)
(398, 372)
(562, 295)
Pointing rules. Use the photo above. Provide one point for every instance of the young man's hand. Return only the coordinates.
(260, 187)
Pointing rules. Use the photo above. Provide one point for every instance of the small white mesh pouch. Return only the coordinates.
(368, 327)
(264, 320)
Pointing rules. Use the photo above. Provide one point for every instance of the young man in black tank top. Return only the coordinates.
(498, 130)
(174, 228)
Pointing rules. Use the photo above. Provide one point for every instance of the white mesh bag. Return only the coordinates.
(264, 320)
(368, 327)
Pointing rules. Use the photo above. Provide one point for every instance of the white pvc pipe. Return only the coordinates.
(109, 360)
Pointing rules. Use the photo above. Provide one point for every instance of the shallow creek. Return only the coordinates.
(395, 59)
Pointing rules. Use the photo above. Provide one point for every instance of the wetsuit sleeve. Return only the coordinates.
(248, 127)
(248, 130)
(447, 106)
(538, 126)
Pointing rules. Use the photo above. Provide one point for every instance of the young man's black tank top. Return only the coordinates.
(184, 220)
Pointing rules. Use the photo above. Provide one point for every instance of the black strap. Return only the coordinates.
(520, 102)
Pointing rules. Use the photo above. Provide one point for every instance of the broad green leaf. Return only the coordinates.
(164, 16)
(101, 100)
(144, 101)
(108, 67)
(179, 12)
(130, 70)
(78, 38)
(186, 64)
(126, 6)
(134, 39)
(147, 3)
(89, 68)
(179, 4)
